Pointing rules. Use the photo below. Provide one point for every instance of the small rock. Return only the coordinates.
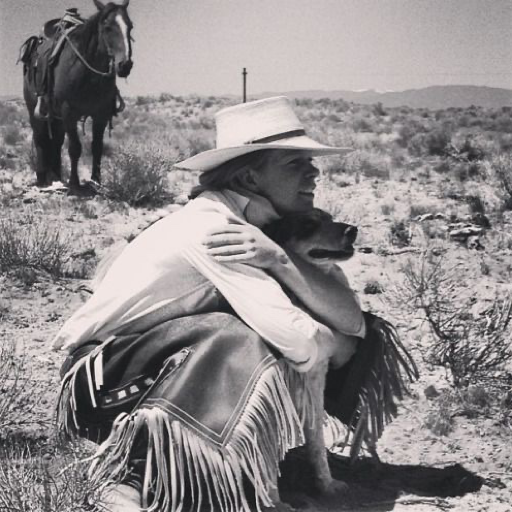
(465, 232)
(473, 242)
(424, 217)
(181, 199)
(431, 391)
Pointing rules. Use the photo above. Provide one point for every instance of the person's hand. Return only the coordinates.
(345, 348)
(243, 243)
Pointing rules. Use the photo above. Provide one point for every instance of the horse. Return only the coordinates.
(83, 84)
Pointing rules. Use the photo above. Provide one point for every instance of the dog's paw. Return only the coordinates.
(330, 488)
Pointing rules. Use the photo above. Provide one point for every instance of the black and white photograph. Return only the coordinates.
(255, 255)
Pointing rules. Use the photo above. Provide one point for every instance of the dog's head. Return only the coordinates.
(314, 236)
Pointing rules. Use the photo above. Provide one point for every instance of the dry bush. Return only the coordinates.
(13, 385)
(45, 479)
(400, 233)
(499, 170)
(12, 135)
(473, 346)
(138, 175)
(33, 246)
(8, 114)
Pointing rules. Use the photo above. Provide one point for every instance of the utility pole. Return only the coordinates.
(244, 74)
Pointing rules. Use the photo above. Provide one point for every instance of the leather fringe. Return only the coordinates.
(183, 467)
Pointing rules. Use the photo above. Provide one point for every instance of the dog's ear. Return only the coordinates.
(247, 179)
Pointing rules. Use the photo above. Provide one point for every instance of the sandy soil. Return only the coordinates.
(469, 469)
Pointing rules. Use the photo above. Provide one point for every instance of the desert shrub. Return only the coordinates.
(32, 247)
(420, 208)
(499, 169)
(12, 135)
(433, 230)
(471, 151)
(16, 391)
(369, 164)
(8, 114)
(475, 203)
(144, 100)
(361, 124)
(439, 421)
(138, 175)
(165, 97)
(400, 233)
(473, 347)
(442, 166)
(387, 208)
(471, 402)
(6, 160)
(48, 479)
(432, 143)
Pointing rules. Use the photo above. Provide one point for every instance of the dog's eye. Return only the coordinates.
(307, 228)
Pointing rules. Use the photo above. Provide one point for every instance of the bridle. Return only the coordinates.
(111, 63)
(109, 73)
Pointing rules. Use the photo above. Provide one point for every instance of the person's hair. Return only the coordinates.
(227, 175)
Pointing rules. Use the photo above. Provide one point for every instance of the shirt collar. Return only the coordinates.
(236, 200)
(261, 214)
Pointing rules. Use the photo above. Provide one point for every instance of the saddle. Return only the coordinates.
(71, 19)
(40, 53)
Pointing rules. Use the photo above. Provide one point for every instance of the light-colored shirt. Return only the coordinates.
(166, 273)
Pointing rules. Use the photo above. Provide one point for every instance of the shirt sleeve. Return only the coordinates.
(261, 303)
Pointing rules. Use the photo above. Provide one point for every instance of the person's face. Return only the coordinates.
(288, 181)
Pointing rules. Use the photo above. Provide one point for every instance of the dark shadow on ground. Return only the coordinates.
(373, 487)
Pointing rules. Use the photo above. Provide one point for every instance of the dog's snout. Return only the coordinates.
(351, 233)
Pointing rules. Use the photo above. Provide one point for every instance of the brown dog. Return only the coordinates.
(361, 391)
(315, 237)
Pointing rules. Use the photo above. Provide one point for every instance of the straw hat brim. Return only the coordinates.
(212, 158)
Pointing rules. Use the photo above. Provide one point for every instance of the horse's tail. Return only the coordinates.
(363, 393)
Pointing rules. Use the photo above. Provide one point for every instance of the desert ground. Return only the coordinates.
(431, 195)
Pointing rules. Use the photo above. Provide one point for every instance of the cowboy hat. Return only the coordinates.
(269, 123)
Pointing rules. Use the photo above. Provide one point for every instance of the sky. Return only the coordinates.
(201, 46)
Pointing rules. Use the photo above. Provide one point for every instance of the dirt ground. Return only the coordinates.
(468, 469)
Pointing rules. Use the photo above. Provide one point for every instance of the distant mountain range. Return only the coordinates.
(435, 97)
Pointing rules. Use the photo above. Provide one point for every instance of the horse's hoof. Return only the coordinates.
(81, 191)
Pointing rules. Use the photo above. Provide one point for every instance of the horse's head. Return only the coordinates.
(115, 29)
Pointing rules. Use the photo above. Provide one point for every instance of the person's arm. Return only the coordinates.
(262, 304)
(330, 299)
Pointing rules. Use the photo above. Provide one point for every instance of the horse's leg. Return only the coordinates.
(57, 141)
(98, 130)
(42, 144)
(74, 150)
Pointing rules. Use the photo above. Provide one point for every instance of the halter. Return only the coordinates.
(111, 70)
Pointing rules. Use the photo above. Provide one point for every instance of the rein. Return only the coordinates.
(110, 71)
